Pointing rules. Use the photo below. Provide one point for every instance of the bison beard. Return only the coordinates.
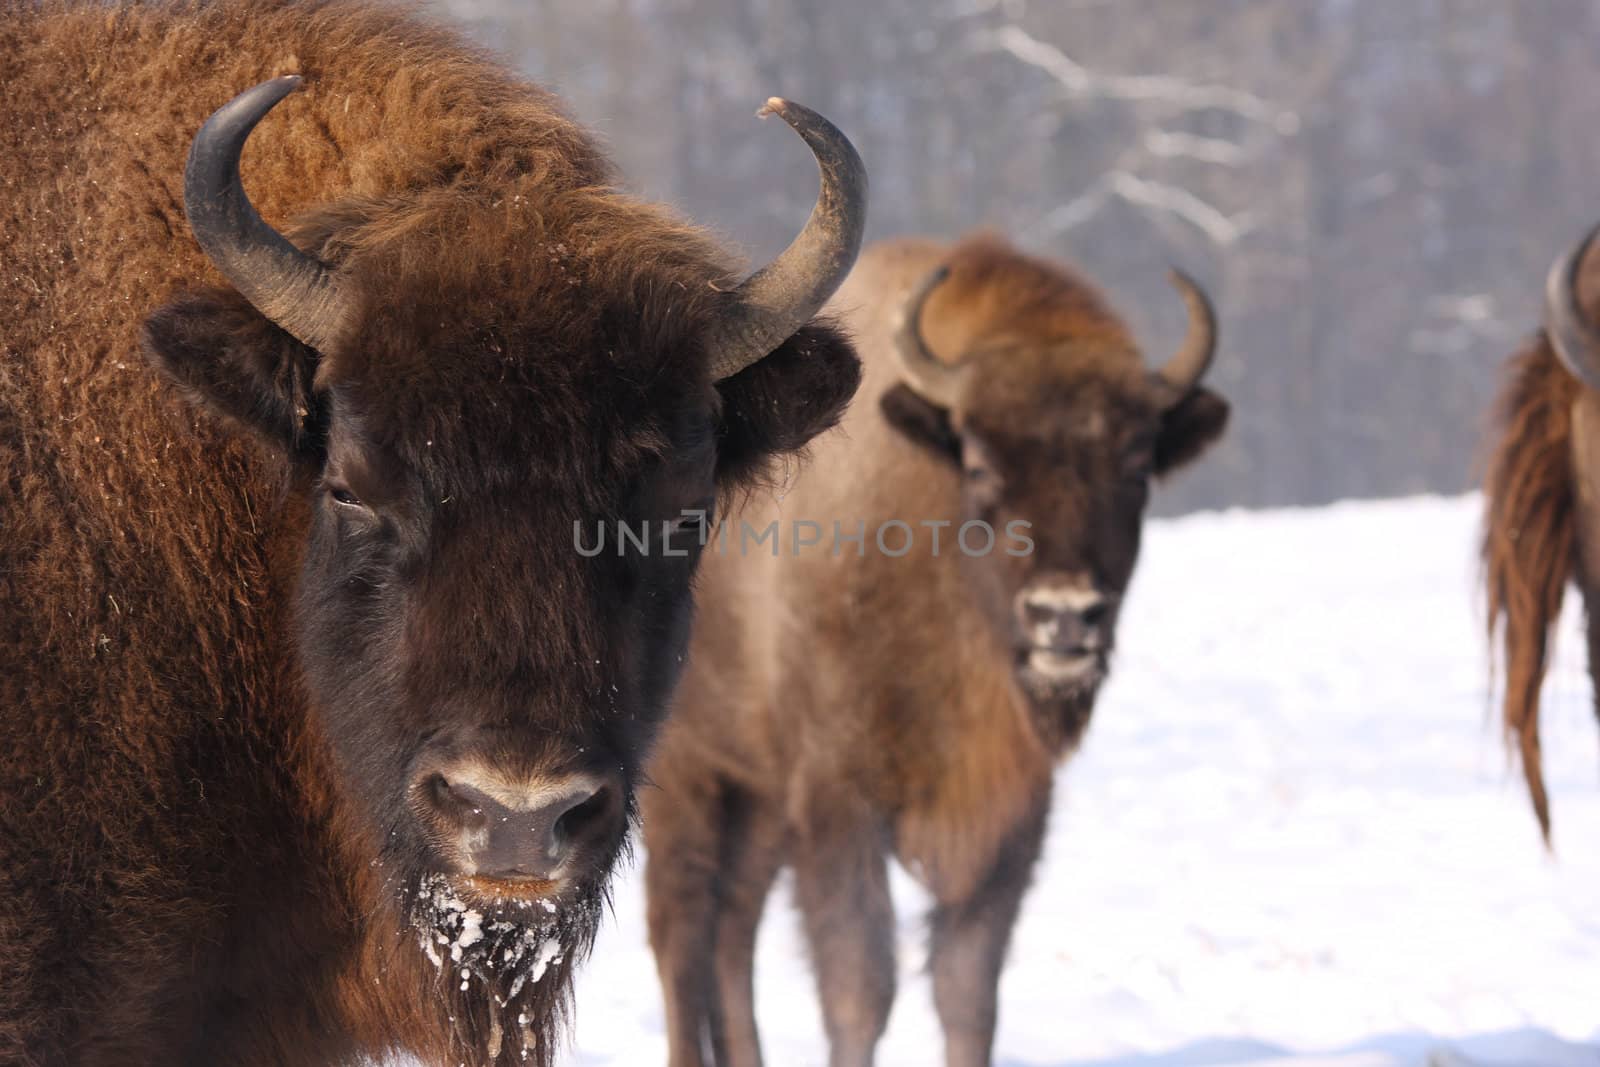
(503, 963)
(1062, 717)
(505, 966)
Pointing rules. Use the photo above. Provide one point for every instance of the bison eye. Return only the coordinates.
(982, 483)
(344, 497)
(692, 526)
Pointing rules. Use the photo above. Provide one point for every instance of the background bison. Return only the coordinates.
(852, 702)
(320, 740)
(1542, 525)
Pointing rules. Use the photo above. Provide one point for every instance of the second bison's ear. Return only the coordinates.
(1189, 427)
(921, 421)
(776, 406)
(226, 358)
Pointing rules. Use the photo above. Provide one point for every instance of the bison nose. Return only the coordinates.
(526, 832)
(1064, 617)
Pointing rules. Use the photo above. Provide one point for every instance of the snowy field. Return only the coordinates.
(1292, 836)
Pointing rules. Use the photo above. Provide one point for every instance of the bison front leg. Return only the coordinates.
(752, 855)
(680, 835)
(968, 942)
(842, 885)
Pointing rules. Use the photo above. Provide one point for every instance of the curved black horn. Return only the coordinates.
(287, 286)
(778, 299)
(930, 378)
(1571, 334)
(1185, 369)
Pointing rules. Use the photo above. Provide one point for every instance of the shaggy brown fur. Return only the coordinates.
(842, 708)
(1530, 536)
(216, 678)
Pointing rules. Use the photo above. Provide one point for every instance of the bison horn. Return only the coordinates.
(775, 301)
(289, 287)
(1574, 338)
(1185, 369)
(928, 376)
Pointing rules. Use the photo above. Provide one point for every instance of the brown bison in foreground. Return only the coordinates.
(1542, 525)
(319, 739)
(884, 693)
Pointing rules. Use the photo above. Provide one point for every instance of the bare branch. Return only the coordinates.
(1167, 145)
(1080, 81)
(1222, 229)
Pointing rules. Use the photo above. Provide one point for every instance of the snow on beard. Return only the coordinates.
(505, 968)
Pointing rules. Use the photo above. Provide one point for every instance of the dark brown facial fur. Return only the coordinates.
(278, 625)
(840, 709)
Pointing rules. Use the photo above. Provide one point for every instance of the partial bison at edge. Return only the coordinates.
(851, 700)
(320, 739)
(1542, 521)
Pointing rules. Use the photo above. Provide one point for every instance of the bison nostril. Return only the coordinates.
(584, 819)
(1038, 614)
(451, 802)
(439, 790)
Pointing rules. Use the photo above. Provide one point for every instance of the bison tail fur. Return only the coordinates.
(1529, 549)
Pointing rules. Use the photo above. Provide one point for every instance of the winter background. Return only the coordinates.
(1293, 835)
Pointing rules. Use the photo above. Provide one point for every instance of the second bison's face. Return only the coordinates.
(456, 385)
(1056, 443)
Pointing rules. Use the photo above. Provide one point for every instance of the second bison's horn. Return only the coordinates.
(1185, 369)
(1572, 335)
(770, 305)
(289, 287)
(931, 378)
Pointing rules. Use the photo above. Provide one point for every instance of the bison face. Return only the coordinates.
(458, 395)
(489, 687)
(1056, 445)
(488, 684)
(1061, 471)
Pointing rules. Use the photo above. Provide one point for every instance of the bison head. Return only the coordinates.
(1057, 437)
(454, 378)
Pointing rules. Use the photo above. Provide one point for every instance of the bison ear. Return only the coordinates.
(226, 358)
(777, 405)
(1189, 427)
(923, 421)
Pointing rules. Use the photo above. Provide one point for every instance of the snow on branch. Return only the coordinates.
(1080, 81)
(1167, 145)
(1017, 8)
(1222, 229)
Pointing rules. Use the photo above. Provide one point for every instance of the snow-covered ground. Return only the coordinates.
(1292, 836)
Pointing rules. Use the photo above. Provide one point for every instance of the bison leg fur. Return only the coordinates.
(752, 853)
(680, 879)
(842, 887)
(968, 942)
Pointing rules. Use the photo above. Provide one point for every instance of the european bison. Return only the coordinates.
(319, 738)
(1542, 521)
(851, 700)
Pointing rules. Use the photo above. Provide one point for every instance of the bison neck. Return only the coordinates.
(975, 760)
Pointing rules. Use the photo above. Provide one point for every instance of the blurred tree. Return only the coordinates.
(1372, 191)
